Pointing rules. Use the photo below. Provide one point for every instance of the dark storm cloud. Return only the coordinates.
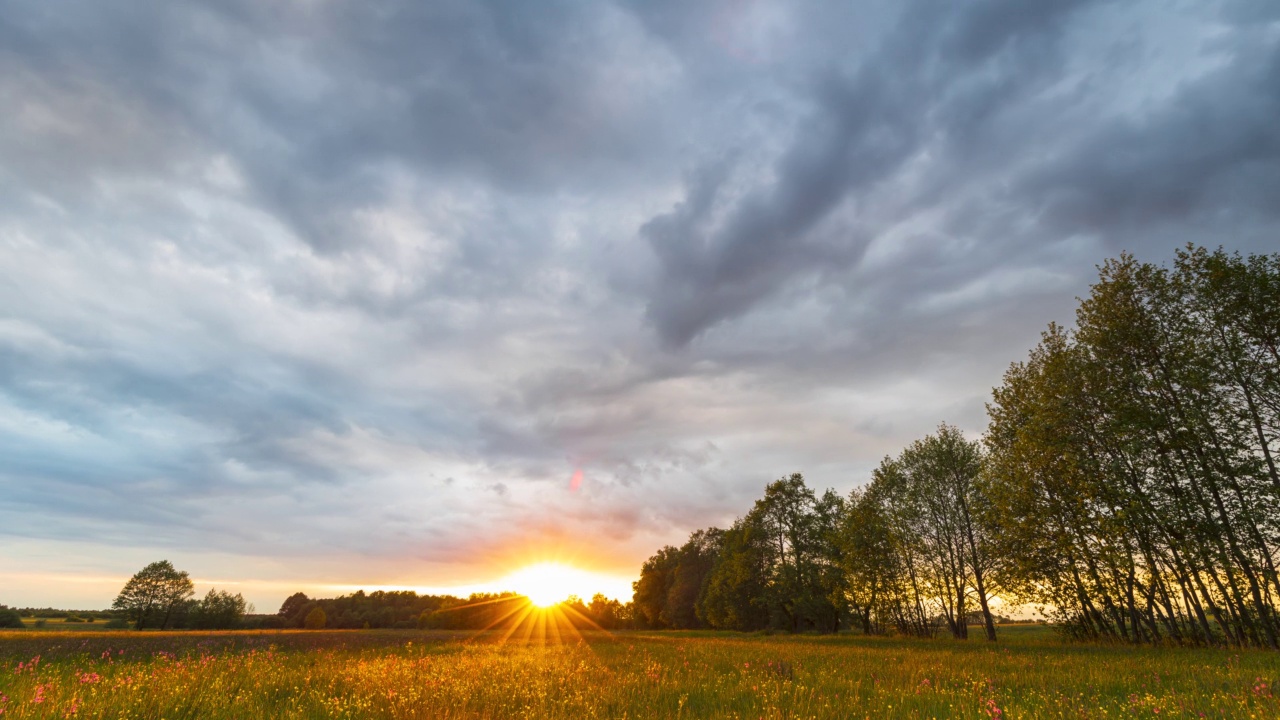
(917, 87)
(354, 280)
(1213, 156)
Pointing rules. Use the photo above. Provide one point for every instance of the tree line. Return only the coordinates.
(162, 597)
(1127, 485)
(405, 609)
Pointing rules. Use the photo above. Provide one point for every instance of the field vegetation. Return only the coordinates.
(1031, 673)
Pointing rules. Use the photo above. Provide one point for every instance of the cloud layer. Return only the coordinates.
(326, 290)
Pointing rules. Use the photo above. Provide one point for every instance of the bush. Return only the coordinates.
(10, 619)
(117, 624)
(74, 619)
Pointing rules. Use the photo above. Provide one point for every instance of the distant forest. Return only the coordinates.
(1127, 485)
(406, 609)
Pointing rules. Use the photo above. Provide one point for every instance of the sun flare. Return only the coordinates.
(546, 584)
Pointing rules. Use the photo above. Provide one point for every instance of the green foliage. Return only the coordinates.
(776, 567)
(379, 609)
(654, 586)
(735, 591)
(218, 610)
(1133, 479)
(153, 594)
(10, 619)
(315, 619)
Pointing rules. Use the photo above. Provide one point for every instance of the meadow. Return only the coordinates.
(398, 674)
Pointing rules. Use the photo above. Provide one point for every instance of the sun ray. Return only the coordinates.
(585, 618)
(520, 604)
(526, 610)
(469, 605)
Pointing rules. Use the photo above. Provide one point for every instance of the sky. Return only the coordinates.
(322, 294)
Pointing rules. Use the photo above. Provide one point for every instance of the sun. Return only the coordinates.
(545, 584)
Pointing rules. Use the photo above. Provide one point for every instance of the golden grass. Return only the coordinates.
(385, 674)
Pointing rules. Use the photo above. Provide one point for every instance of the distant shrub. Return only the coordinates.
(10, 619)
(117, 624)
(42, 622)
(74, 619)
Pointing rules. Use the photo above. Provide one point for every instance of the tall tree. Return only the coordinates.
(694, 563)
(734, 597)
(156, 590)
(1131, 469)
(653, 587)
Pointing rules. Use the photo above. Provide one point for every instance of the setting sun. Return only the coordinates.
(546, 584)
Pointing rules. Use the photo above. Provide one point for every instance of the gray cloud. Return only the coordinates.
(339, 288)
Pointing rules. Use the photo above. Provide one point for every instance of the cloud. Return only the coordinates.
(352, 290)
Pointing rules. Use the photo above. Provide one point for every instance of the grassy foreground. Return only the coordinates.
(381, 674)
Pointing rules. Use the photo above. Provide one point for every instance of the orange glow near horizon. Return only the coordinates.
(548, 583)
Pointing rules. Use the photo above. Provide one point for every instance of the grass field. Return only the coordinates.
(388, 674)
(62, 624)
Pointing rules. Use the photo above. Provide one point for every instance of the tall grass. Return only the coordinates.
(376, 674)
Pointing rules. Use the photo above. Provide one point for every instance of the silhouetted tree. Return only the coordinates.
(652, 589)
(155, 591)
(10, 618)
(292, 607)
(1132, 470)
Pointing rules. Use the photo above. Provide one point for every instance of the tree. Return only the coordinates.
(10, 618)
(651, 590)
(1132, 472)
(606, 613)
(315, 619)
(219, 610)
(292, 607)
(734, 597)
(942, 471)
(790, 518)
(694, 562)
(154, 592)
(778, 565)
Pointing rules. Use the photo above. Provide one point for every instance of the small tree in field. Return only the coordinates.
(315, 619)
(155, 589)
